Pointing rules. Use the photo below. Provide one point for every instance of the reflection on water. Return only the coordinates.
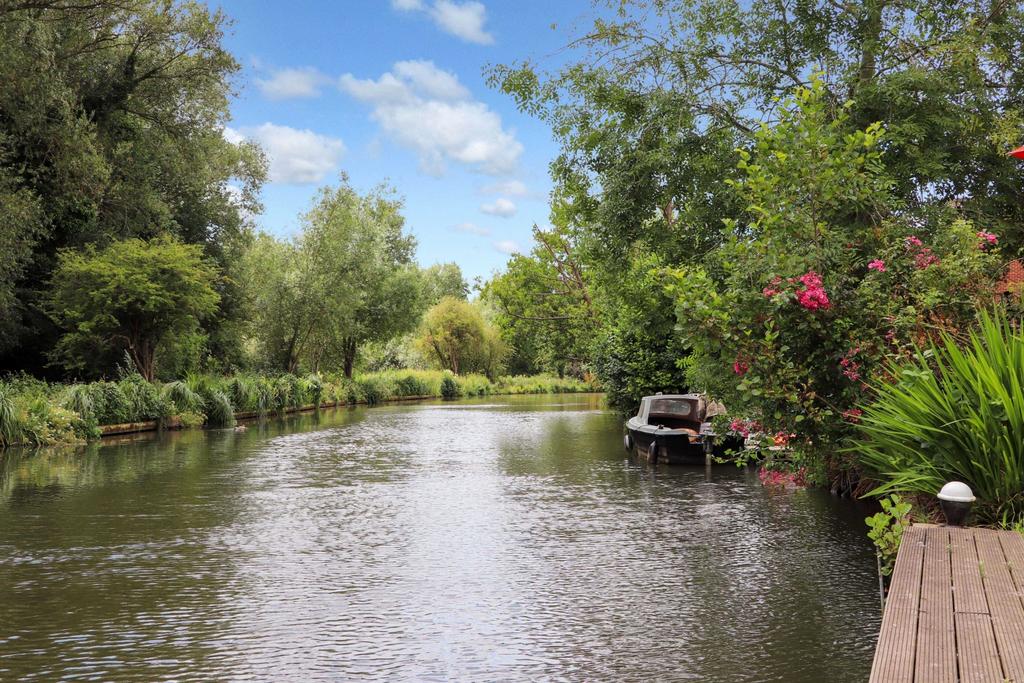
(501, 539)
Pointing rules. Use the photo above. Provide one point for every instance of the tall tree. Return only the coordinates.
(111, 120)
(132, 297)
(346, 280)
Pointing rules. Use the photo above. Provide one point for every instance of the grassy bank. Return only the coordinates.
(37, 412)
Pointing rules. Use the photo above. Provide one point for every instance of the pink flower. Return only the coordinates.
(813, 295)
(925, 258)
(772, 288)
(853, 414)
(745, 427)
(912, 241)
(740, 367)
(878, 265)
(851, 368)
(988, 239)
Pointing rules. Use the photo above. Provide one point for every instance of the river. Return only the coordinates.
(490, 539)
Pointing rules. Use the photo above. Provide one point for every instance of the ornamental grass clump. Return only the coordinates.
(954, 413)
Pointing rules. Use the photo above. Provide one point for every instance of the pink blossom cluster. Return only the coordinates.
(740, 367)
(745, 427)
(923, 256)
(853, 415)
(773, 287)
(813, 295)
(878, 265)
(778, 479)
(986, 239)
(851, 368)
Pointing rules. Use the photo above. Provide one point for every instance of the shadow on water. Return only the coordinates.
(496, 538)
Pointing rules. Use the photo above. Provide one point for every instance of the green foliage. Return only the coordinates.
(542, 307)
(111, 120)
(129, 298)
(180, 395)
(450, 387)
(348, 279)
(953, 412)
(10, 427)
(457, 338)
(885, 529)
(822, 280)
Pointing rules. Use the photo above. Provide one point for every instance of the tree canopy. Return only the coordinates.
(132, 297)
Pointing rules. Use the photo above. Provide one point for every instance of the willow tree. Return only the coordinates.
(347, 279)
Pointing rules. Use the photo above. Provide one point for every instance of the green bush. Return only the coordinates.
(953, 413)
(450, 388)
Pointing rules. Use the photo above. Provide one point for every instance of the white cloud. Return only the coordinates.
(472, 229)
(232, 135)
(426, 109)
(464, 20)
(511, 188)
(505, 208)
(507, 247)
(430, 80)
(296, 157)
(285, 84)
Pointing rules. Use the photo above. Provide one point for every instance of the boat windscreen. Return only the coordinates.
(672, 406)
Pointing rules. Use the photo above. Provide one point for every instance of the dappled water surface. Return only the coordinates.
(499, 539)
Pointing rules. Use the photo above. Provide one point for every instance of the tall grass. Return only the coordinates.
(34, 411)
(10, 427)
(955, 412)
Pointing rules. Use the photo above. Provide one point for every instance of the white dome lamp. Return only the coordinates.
(956, 499)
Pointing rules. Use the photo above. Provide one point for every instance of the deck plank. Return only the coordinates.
(968, 589)
(894, 656)
(935, 660)
(955, 612)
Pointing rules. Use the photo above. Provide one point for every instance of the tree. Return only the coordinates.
(346, 280)
(824, 281)
(654, 100)
(444, 279)
(454, 333)
(111, 126)
(131, 297)
(543, 308)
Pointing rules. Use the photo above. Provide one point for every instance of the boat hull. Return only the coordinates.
(679, 448)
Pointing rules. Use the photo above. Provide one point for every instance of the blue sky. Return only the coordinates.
(394, 90)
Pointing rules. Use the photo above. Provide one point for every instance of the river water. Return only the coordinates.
(494, 539)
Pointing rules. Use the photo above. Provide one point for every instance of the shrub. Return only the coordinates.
(953, 413)
(450, 388)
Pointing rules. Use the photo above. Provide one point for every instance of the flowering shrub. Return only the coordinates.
(823, 281)
(782, 479)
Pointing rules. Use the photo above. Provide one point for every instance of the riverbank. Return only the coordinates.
(33, 412)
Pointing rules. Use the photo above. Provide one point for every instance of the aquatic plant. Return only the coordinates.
(182, 397)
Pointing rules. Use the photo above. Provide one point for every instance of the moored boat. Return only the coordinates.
(676, 428)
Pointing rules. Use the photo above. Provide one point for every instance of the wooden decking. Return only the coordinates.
(954, 610)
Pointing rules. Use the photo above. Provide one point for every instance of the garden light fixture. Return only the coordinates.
(956, 499)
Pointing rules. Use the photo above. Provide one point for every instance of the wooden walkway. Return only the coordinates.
(954, 610)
